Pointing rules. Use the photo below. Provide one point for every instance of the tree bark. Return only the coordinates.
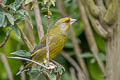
(113, 51)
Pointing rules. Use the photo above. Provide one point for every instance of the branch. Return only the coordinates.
(77, 52)
(98, 27)
(28, 27)
(6, 65)
(25, 39)
(72, 71)
(89, 35)
(92, 7)
(111, 14)
(61, 8)
(23, 77)
(4, 41)
(76, 66)
(39, 21)
(26, 59)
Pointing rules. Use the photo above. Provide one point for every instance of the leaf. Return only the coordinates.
(8, 32)
(15, 5)
(10, 18)
(2, 17)
(17, 32)
(22, 53)
(59, 70)
(102, 56)
(22, 12)
(28, 1)
(5, 23)
(4, 1)
(26, 16)
(86, 55)
(93, 60)
(53, 2)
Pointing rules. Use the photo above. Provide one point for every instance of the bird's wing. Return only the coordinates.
(38, 47)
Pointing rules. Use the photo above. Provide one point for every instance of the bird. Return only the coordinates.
(57, 38)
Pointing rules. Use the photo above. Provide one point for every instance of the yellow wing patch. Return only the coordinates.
(35, 52)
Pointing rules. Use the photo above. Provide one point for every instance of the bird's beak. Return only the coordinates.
(72, 21)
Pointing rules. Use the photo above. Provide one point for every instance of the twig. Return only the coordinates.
(90, 37)
(61, 8)
(23, 77)
(72, 71)
(47, 34)
(26, 59)
(39, 21)
(28, 27)
(6, 65)
(76, 66)
(4, 41)
(77, 52)
(25, 39)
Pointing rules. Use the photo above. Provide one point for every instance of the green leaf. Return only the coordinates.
(2, 17)
(22, 12)
(5, 23)
(4, 1)
(9, 32)
(15, 5)
(10, 18)
(86, 55)
(102, 56)
(93, 60)
(22, 53)
(17, 32)
(53, 2)
(28, 1)
(18, 3)
(59, 70)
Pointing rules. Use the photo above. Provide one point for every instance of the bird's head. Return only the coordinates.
(64, 23)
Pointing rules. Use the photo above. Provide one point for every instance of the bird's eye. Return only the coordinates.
(67, 21)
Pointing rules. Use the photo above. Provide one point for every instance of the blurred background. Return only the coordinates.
(78, 53)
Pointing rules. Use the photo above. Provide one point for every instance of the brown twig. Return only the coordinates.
(25, 39)
(6, 65)
(4, 41)
(23, 77)
(72, 71)
(38, 21)
(28, 27)
(61, 8)
(76, 66)
(26, 59)
(47, 34)
(90, 36)
(77, 52)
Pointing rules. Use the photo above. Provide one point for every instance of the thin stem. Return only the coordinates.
(72, 71)
(47, 35)
(25, 39)
(38, 21)
(4, 41)
(76, 66)
(6, 65)
(22, 75)
(26, 59)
